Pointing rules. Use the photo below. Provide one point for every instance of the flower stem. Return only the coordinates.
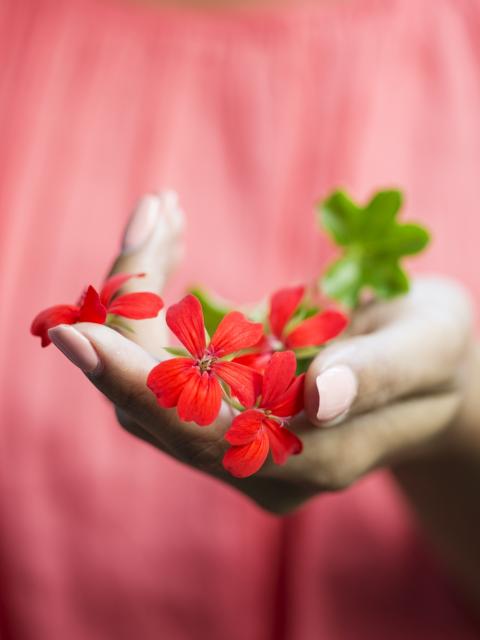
(233, 403)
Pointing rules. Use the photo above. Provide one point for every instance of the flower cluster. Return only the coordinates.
(256, 431)
(258, 367)
(287, 327)
(255, 367)
(249, 365)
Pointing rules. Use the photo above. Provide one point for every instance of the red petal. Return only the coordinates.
(167, 380)
(278, 376)
(245, 460)
(257, 361)
(185, 319)
(113, 284)
(245, 427)
(260, 357)
(136, 305)
(92, 310)
(48, 318)
(245, 383)
(292, 400)
(200, 399)
(234, 333)
(283, 304)
(283, 442)
(317, 330)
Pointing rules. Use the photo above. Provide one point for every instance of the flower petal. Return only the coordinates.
(137, 305)
(278, 375)
(245, 460)
(317, 330)
(185, 319)
(245, 383)
(257, 361)
(283, 442)
(259, 357)
(283, 304)
(167, 380)
(48, 318)
(113, 284)
(200, 399)
(234, 333)
(292, 401)
(245, 427)
(92, 310)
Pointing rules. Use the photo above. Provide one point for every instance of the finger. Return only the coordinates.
(119, 369)
(416, 348)
(335, 458)
(135, 429)
(442, 296)
(152, 245)
(152, 241)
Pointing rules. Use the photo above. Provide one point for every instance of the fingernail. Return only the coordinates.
(337, 388)
(142, 223)
(76, 347)
(171, 206)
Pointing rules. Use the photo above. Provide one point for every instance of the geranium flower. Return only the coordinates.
(257, 431)
(311, 332)
(95, 307)
(192, 384)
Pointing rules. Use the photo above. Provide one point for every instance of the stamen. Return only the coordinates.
(205, 363)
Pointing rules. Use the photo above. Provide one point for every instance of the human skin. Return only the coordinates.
(416, 409)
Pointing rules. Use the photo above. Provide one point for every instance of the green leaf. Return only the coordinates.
(343, 280)
(177, 351)
(302, 365)
(405, 240)
(340, 217)
(115, 322)
(379, 214)
(387, 279)
(214, 310)
(372, 243)
(307, 352)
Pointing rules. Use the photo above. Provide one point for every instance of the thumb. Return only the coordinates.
(152, 245)
(152, 242)
(405, 357)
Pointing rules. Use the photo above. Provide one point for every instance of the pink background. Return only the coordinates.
(251, 117)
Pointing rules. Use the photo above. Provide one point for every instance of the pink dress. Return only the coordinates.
(251, 116)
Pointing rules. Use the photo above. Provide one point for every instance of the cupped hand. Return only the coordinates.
(386, 392)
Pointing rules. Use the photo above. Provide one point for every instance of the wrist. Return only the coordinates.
(460, 439)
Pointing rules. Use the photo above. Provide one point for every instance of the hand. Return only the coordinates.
(393, 385)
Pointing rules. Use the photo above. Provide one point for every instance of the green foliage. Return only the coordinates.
(116, 322)
(373, 244)
(213, 309)
(178, 352)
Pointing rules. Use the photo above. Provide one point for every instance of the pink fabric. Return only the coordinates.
(251, 117)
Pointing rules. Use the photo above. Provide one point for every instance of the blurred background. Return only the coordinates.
(251, 113)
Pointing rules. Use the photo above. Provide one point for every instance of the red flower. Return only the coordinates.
(311, 332)
(255, 431)
(94, 307)
(192, 384)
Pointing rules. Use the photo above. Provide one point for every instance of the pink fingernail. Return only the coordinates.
(76, 347)
(142, 223)
(337, 388)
